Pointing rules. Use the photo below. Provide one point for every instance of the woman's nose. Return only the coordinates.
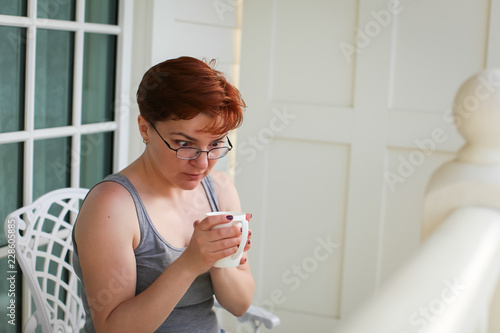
(202, 160)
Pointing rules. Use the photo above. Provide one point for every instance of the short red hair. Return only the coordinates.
(184, 87)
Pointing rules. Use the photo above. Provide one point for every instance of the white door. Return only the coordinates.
(340, 138)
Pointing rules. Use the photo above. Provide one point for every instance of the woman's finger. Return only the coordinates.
(243, 260)
(248, 245)
(211, 221)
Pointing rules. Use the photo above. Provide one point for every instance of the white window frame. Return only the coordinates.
(120, 125)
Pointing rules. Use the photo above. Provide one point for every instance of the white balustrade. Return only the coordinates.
(451, 284)
(446, 286)
(473, 177)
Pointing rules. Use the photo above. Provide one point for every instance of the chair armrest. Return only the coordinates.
(31, 324)
(256, 315)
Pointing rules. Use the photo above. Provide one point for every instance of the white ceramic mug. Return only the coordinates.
(240, 220)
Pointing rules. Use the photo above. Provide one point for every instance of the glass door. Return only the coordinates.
(62, 77)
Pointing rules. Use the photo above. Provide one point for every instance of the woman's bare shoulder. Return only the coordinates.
(108, 207)
(226, 191)
(108, 195)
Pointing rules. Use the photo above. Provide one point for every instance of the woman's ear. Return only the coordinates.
(143, 128)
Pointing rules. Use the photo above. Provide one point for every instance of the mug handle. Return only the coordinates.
(244, 237)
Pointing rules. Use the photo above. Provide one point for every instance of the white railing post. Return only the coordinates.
(473, 177)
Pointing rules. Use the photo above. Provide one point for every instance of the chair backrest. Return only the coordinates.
(44, 250)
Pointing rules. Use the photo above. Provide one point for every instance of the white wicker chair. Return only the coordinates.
(44, 249)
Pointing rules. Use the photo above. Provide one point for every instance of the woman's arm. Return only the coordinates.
(106, 234)
(234, 287)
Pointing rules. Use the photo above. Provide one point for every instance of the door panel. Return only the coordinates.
(307, 266)
(305, 53)
(429, 34)
(330, 119)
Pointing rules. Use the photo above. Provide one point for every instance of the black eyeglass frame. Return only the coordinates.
(199, 150)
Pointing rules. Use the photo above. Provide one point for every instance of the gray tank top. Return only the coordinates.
(193, 313)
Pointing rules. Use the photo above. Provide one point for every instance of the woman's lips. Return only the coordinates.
(194, 176)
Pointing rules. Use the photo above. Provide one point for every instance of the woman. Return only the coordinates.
(143, 247)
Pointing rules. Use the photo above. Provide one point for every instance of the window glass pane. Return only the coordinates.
(101, 11)
(96, 158)
(12, 76)
(13, 7)
(53, 78)
(56, 10)
(99, 64)
(11, 178)
(52, 165)
(11, 294)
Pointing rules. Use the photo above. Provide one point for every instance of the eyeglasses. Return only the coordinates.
(190, 153)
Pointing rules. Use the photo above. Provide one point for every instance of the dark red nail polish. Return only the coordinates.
(229, 217)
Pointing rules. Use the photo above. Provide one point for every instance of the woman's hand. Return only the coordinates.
(207, 245)
(234, 286)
